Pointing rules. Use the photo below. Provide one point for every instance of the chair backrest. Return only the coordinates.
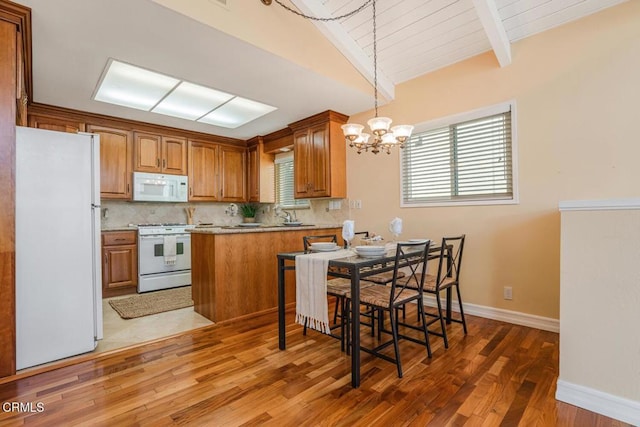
(450, 260)
(362, 234)
(307, 240)
(413, 257)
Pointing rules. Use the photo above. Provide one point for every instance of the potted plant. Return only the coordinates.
(248, 212)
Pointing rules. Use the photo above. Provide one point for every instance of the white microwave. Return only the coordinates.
(151, 187)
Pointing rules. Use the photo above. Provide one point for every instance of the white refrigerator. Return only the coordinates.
(58, 269)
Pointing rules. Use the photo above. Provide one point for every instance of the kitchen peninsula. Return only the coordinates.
(234, 270)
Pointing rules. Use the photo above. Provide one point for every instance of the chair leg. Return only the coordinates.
(464, 322)
(444, 329)
(396, 347)
(380, 323)
(347, 327)
(342, 320)
(304, 330)
(372, 313)
(423, 316)
(335, 312)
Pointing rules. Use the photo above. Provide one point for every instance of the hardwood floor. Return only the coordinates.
(233, 374)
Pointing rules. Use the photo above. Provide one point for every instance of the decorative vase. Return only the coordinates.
(249, 219)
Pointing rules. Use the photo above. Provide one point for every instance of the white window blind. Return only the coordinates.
(285, 182)
(468, 161)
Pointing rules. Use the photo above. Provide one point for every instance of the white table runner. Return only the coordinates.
(311, 288)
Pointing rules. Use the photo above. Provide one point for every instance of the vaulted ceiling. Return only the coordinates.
(74, 39)
(415, 37)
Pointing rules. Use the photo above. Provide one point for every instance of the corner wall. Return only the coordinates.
(600, 307)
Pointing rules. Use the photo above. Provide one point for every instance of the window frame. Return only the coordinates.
(287, 157)
(458, 119)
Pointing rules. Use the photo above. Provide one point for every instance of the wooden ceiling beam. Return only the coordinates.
(492, 23)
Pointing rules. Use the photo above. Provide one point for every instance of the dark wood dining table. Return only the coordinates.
(351, 267)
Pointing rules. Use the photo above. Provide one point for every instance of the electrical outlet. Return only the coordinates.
(358, 204)
(508, 292)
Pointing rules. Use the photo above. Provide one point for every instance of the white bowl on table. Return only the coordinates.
(370, 251)
(323, 246)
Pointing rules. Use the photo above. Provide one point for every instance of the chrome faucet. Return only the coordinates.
(288, 216)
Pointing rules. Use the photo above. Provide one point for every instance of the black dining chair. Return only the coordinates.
(380, 278)
(388, 299)
(447, 277)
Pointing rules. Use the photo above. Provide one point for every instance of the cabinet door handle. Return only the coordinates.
(120, 239)
(158, 163)
(191, 191)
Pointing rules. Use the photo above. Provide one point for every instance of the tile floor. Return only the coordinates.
(119, 332)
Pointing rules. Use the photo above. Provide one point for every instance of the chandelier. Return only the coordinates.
(383, 137)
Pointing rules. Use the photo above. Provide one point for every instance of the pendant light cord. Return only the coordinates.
(375, 60)
(333, 18)
(346, 15)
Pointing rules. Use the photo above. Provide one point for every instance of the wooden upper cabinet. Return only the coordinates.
(320, 156)
(147, 152)
(203, 172)
(174, 155)
(59, 124)
(216, 172)
(115, 162)
(233, 167)
(253, 174)
(160, 154)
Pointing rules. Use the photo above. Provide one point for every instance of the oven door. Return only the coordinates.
(151, 254)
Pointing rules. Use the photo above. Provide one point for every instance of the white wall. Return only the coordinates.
(600, 307)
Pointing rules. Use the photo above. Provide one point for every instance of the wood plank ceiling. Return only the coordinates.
(416, 37)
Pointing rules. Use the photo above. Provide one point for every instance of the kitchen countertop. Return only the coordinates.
(121, 228)
(261, 229)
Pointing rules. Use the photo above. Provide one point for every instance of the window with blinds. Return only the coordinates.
(464, 162)
(284, 182)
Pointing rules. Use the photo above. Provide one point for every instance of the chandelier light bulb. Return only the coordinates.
(389, 139)
(364, 137)
(352, 131)
(402, 132)
(379, 125)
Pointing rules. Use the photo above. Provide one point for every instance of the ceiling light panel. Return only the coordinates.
(190, 101)
(133, 87)
(237, 112)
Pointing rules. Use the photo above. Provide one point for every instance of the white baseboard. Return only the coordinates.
(515, 317)
(599, 402)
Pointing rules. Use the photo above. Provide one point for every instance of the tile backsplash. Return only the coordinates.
(122, 213)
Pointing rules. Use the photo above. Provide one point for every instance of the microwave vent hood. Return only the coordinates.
(150, 187)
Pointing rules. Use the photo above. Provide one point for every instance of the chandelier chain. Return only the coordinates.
(333, 18)
(375, 60)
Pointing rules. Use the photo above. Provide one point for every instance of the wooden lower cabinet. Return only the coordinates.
(236, 274)
(119, 263)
